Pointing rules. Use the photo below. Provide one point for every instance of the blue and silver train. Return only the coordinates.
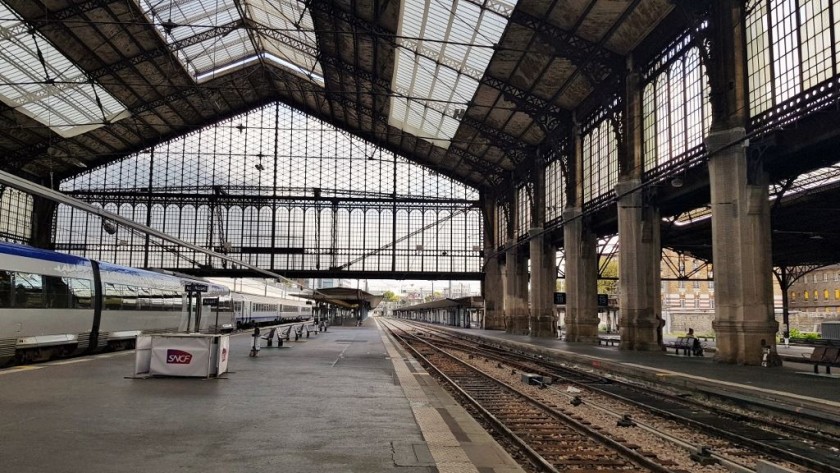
(54, 305)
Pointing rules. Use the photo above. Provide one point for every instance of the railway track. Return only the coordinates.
(732, 441)
(551, 440)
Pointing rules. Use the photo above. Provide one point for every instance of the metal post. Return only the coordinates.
(197, 312)
(189, 310)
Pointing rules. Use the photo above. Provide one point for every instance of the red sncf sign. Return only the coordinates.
(178, 357)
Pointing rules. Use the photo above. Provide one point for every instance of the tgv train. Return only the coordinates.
(53, 304)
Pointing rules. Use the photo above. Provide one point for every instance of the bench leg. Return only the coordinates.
(816, 368)
(827, 369)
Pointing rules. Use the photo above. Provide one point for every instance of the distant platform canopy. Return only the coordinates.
(472, 302)
(344, 297)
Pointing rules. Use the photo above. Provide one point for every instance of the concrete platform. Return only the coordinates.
(343, 401)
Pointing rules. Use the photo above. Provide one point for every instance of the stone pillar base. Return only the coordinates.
(640, 334)
(543, 326)
(494, 321)
(582, 332)
(743, 342)
(518, 325)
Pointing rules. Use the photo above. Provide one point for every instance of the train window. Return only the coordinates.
(157, 299)
(56, 293)
(237, 306)
(174, 301)
(81, 292)
(113, 297)
(5, 289)
(130, 298)
(144, 300)
(28, 290)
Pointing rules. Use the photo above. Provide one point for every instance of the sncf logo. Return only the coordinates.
(178, 357)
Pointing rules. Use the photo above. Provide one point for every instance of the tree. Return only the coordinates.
(389, 296)
(610, 270)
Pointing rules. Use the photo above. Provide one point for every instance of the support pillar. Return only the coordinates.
(744, 314)
(581, 279)
(43, 215)
(639, 260)
(492, 287)
(543, 282)
(516, 289)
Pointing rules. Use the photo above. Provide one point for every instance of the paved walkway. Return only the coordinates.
(343, 401)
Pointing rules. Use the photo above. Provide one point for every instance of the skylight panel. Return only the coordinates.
(289, 34)
(284, 34)
(443, 50)
(56, 92)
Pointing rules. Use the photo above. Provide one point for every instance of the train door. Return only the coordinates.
(246, 311)
(190, 322)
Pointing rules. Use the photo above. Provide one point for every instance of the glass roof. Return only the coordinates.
(52, 91)
(443, 50)
(283, 34)
(813, 180)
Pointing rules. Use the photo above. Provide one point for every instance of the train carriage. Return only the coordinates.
(53, 304)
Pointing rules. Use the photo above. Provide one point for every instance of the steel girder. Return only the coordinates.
(548, 116)
(596, 62)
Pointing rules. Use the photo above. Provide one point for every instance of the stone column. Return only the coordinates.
(581, 279)
(543, 283)
(492, 288)
(639, 268)
(542, 256)
(744, 313)
(516, 289)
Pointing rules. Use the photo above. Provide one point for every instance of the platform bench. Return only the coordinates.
(609, 341)
(311, 328)
(682, 343)
(825, 356)
(282, 333)
(298, 331)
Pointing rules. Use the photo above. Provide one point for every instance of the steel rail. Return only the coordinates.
(628, 453)
(758, 446)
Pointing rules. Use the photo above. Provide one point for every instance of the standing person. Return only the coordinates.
(660, 336)
(255, 348)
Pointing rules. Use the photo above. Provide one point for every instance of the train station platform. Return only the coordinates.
(792, 386)
(348, 400)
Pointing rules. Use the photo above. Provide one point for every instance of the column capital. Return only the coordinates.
(729, 138)
(570, 213)
(626, 185)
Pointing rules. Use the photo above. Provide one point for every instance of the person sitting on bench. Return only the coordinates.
(696, 348)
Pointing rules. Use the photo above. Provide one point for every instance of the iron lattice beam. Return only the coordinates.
(548, 116)
(352, 70)
(595, 61)
(493, 172)
(282, 38)
(124, 196)
(165, 50)
(77, 9)
(514, 148)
